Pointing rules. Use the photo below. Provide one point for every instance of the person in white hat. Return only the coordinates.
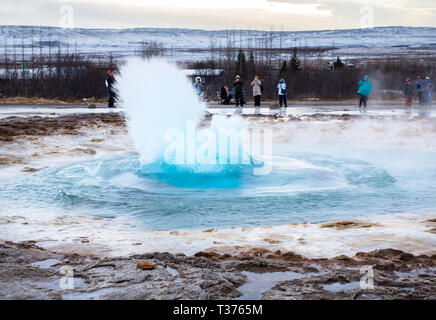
(198, 86)
(428, 89)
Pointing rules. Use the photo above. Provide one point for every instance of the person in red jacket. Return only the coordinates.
(409, 91)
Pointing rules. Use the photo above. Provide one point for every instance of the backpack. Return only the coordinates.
(261, 88)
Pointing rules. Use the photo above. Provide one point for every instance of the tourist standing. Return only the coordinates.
(257, 91)
(365, 88)
(110, 87)
(420, 87)
(409, 91)
(282, 92)
(238, 93)
(198, 86)
(428, 88)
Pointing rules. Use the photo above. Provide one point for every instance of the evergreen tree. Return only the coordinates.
(241, 64)
(295, 62)
(283, 68)
(339, 64)
(251, 64)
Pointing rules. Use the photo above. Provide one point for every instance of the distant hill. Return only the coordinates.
(120, 42)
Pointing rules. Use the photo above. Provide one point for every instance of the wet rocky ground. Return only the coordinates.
(14, 127)
(30, 272)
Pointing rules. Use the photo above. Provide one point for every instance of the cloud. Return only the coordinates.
(277, 14)
(295, 1)
(386, 13)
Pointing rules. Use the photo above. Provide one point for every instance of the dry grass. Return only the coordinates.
(43, 101)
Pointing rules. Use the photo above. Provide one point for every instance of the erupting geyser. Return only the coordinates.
(163, 114)
(157, 98)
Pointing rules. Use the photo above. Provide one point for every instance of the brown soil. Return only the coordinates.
(44, 126)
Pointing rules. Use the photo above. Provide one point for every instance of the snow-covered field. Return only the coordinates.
(180, 43)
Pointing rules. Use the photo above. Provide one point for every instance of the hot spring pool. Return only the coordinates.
(303, 186)
(321, 170)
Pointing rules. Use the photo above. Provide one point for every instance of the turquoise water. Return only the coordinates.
(312, 187)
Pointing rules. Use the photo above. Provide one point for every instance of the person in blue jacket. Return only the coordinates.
(420, 88)
(428, 88)
(365, 88)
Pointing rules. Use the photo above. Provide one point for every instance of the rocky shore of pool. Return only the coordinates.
(31, 272)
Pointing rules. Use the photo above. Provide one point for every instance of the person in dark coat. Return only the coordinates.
(223, 93)
(409, 92)
(226, 95)
(110, 86)
(238, 92)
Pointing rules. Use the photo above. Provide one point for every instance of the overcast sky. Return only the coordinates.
(221, 14)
